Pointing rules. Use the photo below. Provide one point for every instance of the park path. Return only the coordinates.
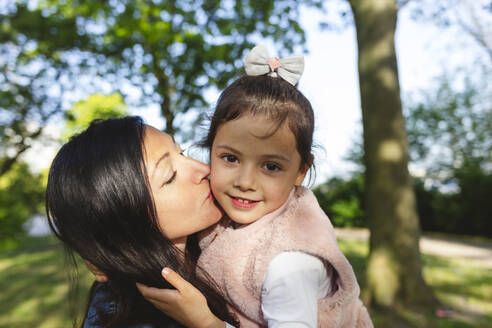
(479, 252)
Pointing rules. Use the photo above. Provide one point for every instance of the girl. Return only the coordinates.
(274, 253)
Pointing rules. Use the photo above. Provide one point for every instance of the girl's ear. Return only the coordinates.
(301, 175)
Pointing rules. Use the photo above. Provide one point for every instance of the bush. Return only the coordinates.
(21, 196)
(342, 200)
(466, 211)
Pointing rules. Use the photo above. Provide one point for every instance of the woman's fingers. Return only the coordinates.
(176, 280)
(153, 294)
(186, 304)
(184, 292)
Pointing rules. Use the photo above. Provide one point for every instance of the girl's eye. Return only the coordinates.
(272, 167)
(170, 180)
(230, 158)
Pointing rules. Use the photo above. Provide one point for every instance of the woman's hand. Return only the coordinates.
(186, 304)
(98, 274)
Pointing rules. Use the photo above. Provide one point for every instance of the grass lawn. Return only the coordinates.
(34, 287)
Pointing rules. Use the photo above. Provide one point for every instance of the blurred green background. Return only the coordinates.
(64, 63)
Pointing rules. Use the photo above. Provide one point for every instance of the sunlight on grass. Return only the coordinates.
(5, 264)
(34, 285)
(461, 284)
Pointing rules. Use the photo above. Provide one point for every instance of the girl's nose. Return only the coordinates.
(246, 179)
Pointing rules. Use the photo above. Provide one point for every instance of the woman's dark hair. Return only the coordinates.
(99, 204)
(273, 97)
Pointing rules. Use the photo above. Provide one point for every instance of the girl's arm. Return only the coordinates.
(185, 304)
(293, 284)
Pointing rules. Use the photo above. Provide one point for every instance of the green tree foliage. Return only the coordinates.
(35, 74)
(174, 50)
(451, 127)
(168, 52)
(21, 196)
(97, 106)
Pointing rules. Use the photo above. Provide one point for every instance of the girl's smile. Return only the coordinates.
(243, 203)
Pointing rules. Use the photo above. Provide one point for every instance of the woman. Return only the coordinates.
(123, 197)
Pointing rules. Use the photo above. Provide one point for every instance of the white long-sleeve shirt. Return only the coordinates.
(293, 284)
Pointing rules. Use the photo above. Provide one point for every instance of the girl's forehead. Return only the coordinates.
(256, 134)
(259, 125)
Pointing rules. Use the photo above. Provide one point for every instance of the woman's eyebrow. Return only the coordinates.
(166, 154)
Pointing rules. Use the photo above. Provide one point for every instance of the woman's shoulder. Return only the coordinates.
(101, 303)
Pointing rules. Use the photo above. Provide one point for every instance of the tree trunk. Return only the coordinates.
(164, 90)
(394, 270)
(168, 114)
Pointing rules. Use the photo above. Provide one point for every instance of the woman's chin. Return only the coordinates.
(217, 215)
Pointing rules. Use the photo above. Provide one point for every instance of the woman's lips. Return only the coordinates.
(209, 197)
(243, 203)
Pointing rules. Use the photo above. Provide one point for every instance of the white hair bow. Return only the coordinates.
(258, 62)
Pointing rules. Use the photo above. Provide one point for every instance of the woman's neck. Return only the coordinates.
(180, 243)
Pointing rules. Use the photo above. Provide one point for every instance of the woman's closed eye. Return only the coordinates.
(170, 180)
(272, 167)
(230, 158)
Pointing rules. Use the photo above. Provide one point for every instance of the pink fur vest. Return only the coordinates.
(238, 259)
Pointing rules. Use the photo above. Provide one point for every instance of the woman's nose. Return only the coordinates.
(200, 171)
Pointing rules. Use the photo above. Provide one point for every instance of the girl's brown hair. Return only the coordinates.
(273, 97)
